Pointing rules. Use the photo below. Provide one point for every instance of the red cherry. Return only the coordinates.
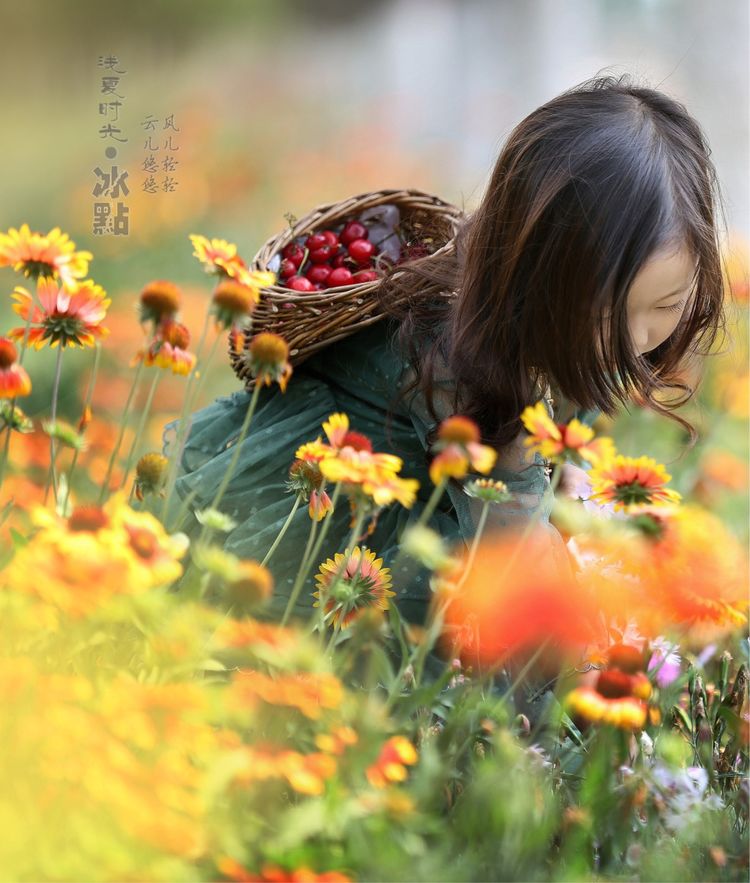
(318, 273)
(315, 240)
(339, 276)
(331, 238)
(318, 286)
(322, 255)
(365, 276)
(299, 283)
(353, 230)
(294, 252)
(339, 260)
(361, 250)
(287, 268)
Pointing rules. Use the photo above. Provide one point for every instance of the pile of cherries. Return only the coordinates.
(327, 259)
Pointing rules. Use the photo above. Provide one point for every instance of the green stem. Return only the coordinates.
(475, 542)
(52, 475)
(86, 405)
(283, 530)
(141, 426)
(237, 448)
(183, 424)
(123, 424)
(310, 555)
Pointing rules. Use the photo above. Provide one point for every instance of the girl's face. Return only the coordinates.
(658, 296)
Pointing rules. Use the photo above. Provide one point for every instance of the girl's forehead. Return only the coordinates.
(669, 272)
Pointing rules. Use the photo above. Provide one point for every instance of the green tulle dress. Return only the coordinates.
(359, 376)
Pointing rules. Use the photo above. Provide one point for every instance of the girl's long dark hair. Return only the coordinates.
(586, 189)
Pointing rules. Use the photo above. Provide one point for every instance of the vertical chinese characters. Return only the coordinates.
(160, 146)
(111, 214)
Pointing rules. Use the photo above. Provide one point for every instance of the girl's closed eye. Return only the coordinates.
(674, 307)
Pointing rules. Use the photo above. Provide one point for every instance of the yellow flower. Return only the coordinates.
(150, 474)
(627, 712)
(38, 255)
(626, 481)
(561, 441)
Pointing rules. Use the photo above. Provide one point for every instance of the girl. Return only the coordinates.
(586, 276)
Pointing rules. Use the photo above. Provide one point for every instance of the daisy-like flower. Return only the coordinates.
(363, 582)
(169, 349)
(390, 766)
(159, 300)
(38, 255)
(150, 475)
(561, 441)
(488, 491)
(626, 481)
(14, 381)
(69, 315)
(458, 449)
(267, 358)
(232, 301)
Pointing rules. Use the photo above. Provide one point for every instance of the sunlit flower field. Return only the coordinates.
(156, 726)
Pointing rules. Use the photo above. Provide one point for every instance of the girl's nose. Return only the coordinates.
(639, 330)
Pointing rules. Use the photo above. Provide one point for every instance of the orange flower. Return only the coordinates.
(508, 606)
(458, 449)
(70, 316)
(320, 505)
(169, 349)
(668, 566)
(267, 358)
(252, 585)
(391, 763)
(232, 301)
(561, 441)
(38, 255)
(159, 300)
(626, 481)
(150, 474)
(14, 381)
(234, 871)
(310, 693)
(80, 564)
(363, 582)
(306, 773)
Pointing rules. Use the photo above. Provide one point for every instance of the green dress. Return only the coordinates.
(359, 376)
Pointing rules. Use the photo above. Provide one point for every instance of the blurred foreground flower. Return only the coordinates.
(458, 450)
(512, 603)
(81, 563)
(391, 763)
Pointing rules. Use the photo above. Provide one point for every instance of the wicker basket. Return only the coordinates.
(310, 321)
